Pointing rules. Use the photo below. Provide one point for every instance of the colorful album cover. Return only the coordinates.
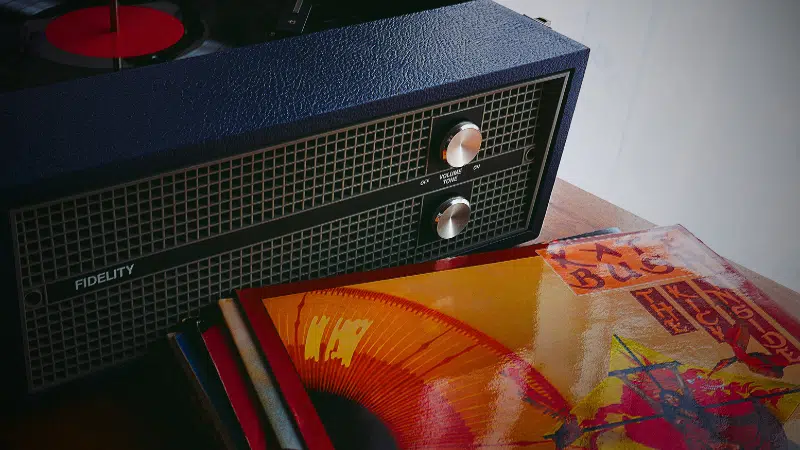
(641, 340)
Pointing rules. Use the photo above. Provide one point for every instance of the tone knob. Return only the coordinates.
(461, 144)
(451, 217)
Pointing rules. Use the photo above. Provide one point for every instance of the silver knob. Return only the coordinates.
(451, 217)
(461, 144)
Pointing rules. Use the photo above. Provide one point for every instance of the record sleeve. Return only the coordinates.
(638, 340)
(190, 352)
(283, 399)
(236, 385)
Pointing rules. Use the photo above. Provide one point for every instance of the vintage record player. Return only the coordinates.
(158, 154)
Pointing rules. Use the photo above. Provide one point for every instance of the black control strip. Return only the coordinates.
(177, 256)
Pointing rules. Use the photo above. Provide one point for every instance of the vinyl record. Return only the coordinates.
(432, 380)
(148, 33)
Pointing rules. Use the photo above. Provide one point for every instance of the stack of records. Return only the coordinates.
(639, 340)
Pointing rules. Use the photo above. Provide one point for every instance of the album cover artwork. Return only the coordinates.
(641, 340)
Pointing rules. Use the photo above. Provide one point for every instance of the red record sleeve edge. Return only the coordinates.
(291, 388)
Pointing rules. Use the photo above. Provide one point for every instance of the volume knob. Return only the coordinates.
(452, 217)
(461, 144)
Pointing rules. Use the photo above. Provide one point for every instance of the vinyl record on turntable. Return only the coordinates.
(48, 41)
(114, 36)
(419, 371)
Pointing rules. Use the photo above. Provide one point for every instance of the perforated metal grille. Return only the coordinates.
(80, 335)
(86, 233)
(510, 119)
(89, 232)
(86, 333)
(500, 205)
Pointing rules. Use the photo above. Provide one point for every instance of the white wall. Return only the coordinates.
(690, 113)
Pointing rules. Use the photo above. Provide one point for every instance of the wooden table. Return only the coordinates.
(120, 411)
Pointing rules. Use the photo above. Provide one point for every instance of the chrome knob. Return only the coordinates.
(461, 144)
(451, 217)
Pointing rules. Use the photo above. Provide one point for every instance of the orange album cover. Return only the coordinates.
(641, 340)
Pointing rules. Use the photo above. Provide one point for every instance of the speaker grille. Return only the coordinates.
(510, 118)
(72, 336)
(76, 336)
(89, 232)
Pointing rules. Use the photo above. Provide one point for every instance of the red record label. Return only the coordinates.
(87, 32)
